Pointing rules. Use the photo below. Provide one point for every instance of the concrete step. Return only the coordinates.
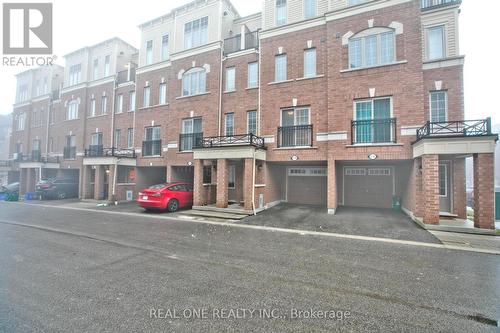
(219, 215)
(223, 210)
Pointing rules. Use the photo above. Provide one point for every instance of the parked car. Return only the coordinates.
(168, 196)
(10, 188)
(57, 188)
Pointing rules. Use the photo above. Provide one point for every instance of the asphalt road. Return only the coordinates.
(67, 270)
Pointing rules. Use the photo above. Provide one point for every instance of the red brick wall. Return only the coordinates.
(484, 204)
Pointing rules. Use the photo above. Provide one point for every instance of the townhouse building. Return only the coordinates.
(324, 102)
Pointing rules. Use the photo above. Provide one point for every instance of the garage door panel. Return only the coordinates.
(307, 186)
(371, 188)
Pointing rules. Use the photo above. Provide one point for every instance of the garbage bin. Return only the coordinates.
(12, 197)
(29, 196)
(396, 203)
(3, 196)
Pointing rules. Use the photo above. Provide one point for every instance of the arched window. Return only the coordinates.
(372, 47)
(194, 81)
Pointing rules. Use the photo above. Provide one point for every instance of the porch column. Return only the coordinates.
(222, 178)
(332, 187)
(430, 175)
(459, 191)
(248, 183)
(418, 204)
(86, 190)
(198, 190)
(484, 192)
(111, 177)
(30, 180)
(98, 182)
(22, 181)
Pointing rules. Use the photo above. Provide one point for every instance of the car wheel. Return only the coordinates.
(173, 205)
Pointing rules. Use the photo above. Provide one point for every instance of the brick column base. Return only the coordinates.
(459, 191)
(248, 183)
(332, 187)
(430, 175)
(198, 189)
(222, 178)
(99, 182)
(484, 192)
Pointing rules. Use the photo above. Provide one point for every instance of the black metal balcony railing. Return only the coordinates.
(463, 128)
(5, 163)
(431, 4)
(233, 44)
(122, 76)
(151, 148)
(189, 141)
(234, 140)
(69, 153)
(373, 131)
(295, 136)
(99, 151)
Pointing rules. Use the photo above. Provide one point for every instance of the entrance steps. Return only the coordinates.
(214, 213)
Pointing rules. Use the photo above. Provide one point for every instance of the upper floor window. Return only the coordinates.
(252, 122)
(117, 138)
(22, 95)
(131, 101)
(310, 63)
(147, 97)
(196, 33)
(75, 74)
(229, 128)
(92, 112)
(21, 121)
(163, 94)
(280, 12)
(435, 43)
(107, 65)
(280, 68)
(309, 9)
(194, 81)
(149, 52)
(45, 85)
(72, 110)
(253, 75)
(164, 47)
(372, 47)
(95, 75)
(104, 105)
(130, 138)
(355, 2)
(372, 123)
(230, 79)
(438, 106)
(119, 103)
(37, 88)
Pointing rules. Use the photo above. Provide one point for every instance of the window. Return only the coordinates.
(117, 138)
(72, 111)
(295, 117)
(149, 52)
(34, 121)
(152, 141)
(126, 175)
(295, 131)
(253, 75)
(147, 96)
(23, 93)
(252, 122)
(230, 78)
(372, 50)
(75, 74)
(229, 128)
(438, 106)
(130, 138)
(194, 81)
(163, 94)
(196, 33)
(207, 174)
(191, 133)
(443, 180)
(104, 105)
(45, 85)
(21, 121)
(369, 126)
(92, 108)
(96, 69)
(231, 177)
(37, 88)
(131, 101)
(435, 43)
(70, 148)
(280, 12)
(96, 139)
(164, 47)
(119, 103)
(355, 2)
(309, 9)
(107, 60)
(280, 68)
(310, 63)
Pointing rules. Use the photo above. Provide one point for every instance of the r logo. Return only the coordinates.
(27, 28)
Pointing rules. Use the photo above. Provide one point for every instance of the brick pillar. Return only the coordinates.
(22, 181)
(99, 182)
(222, 178)
(459, 192)
(417, 194)
(30, 180)
(86, 190)
(198, 189)
(484, 204)
(248, 183)
(430, 174)
(111, 176)
(332, 187)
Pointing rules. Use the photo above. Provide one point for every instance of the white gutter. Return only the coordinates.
(253, 184)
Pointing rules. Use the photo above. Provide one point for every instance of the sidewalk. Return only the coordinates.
(482, 242)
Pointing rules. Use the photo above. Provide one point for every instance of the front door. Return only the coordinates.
(445, 187)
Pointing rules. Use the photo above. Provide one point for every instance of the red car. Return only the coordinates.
(169, 196)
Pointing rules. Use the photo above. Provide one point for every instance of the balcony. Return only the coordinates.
(69, 153)
(433, 4)
(5, 163)
(189, 141)
(233, 44)
(373, 131)
(36, 156)
(295, 136)
(123, 76)
(234, 140)
(458, 129)
(99, 151)
(151, 148)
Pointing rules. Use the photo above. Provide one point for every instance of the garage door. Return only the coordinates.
(368, 186)
(307, 185)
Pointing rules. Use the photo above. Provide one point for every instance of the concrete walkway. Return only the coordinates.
(480, 242)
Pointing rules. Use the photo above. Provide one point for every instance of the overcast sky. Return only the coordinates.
(87, 22)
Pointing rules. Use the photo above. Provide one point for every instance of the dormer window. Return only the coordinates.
(372, 47)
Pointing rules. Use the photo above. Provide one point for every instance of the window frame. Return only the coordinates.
(164, 52)
(92, 107)
(428, 29)
(130, 137)
(285, 73)
(72, 114)
(131, 101)
(107, 65)
(248, 122)
(196, 36)
(295, 110)
(119, 103)
(162, 93)
(104, 105)
(362, 38)
(306, 51)
(445, 92)
(229, 116)
(148, 99)
(200, 72)
(149, 52)
(230, 74)
(117, 138)
(445, 165)
(281, 8)
(249, 66)
(314, 5)
(231, 177)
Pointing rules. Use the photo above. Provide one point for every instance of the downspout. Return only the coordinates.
(115, 173)
(219, 116)
(259, 91)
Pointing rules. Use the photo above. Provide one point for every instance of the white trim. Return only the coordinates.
(442, 63)
(332, 136)
(361, 8)
(291, 27)
(409, 130)
(398, 62)
(241, 53)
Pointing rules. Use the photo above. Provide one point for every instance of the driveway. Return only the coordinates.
(385, 223)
